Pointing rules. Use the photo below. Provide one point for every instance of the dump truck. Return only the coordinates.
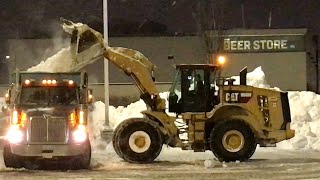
(215, 113)
(48, 114)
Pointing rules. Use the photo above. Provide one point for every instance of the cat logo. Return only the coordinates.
(232, 97)
(238, 96)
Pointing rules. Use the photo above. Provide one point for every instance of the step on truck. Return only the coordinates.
(48, 115)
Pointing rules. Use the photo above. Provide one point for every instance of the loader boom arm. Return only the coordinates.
(88, 45)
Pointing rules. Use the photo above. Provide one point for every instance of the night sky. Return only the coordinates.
(39, 18)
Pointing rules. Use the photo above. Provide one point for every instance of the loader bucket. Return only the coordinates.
(86, 45)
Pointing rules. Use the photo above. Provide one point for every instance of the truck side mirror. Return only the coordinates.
(8, 96)
(90, 96)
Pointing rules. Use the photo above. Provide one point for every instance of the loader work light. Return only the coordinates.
(221, 60)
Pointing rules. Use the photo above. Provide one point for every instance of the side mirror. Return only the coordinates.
(8, 96)
(90, 96)
(4, 109)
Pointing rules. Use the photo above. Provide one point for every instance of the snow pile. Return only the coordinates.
(60, 62)
(255, 78)
(305, 115)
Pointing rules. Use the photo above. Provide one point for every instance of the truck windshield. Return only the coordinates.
(49, 95)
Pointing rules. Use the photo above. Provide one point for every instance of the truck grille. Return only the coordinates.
(48, 130)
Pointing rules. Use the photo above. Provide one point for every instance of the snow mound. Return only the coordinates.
(305, 115)
(60, 62)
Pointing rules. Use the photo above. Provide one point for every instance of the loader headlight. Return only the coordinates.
(14, 135)
(80, 134)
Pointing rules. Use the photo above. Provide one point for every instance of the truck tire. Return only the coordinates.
(138, 141)
(85, 159)
(10, 160)
(232, 140)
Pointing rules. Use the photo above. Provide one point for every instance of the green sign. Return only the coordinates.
(276, 43)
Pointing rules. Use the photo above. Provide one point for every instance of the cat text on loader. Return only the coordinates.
(230, 120)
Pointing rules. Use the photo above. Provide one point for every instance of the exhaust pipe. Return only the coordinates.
(243, 76)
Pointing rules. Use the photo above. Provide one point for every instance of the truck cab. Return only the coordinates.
(48, 118)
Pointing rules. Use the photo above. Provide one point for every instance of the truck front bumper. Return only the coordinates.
(48, 151)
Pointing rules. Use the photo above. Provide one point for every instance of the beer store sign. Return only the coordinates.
(263, 44)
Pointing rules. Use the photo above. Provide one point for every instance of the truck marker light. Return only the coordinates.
(54, 81)
(80, 134)
(81, 117)
(70, 82)
(72, 119)
(14, 134)
(44, 81)
(23, 119)
(15, 117)
(49, 81)
(27, 82)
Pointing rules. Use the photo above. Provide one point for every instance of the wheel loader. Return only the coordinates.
(205, 111)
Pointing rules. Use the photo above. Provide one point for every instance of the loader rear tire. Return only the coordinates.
(138, 141)
(232, 140)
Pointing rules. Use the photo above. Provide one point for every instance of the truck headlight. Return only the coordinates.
(14, 134)
(80, 134)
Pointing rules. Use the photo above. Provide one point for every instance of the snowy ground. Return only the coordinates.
(177, 164)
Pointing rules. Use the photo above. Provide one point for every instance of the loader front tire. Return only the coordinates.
(115, 139)
(232, 140)
(138, 141)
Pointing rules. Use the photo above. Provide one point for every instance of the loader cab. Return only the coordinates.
(194, 89)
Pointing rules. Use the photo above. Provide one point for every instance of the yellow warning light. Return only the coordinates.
(221, 60)
(44, 81)
(49, 82)
(54, 81)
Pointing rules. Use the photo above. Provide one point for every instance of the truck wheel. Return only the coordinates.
(84, 159)
(138, 141)
(10, 160)
(232, 140)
